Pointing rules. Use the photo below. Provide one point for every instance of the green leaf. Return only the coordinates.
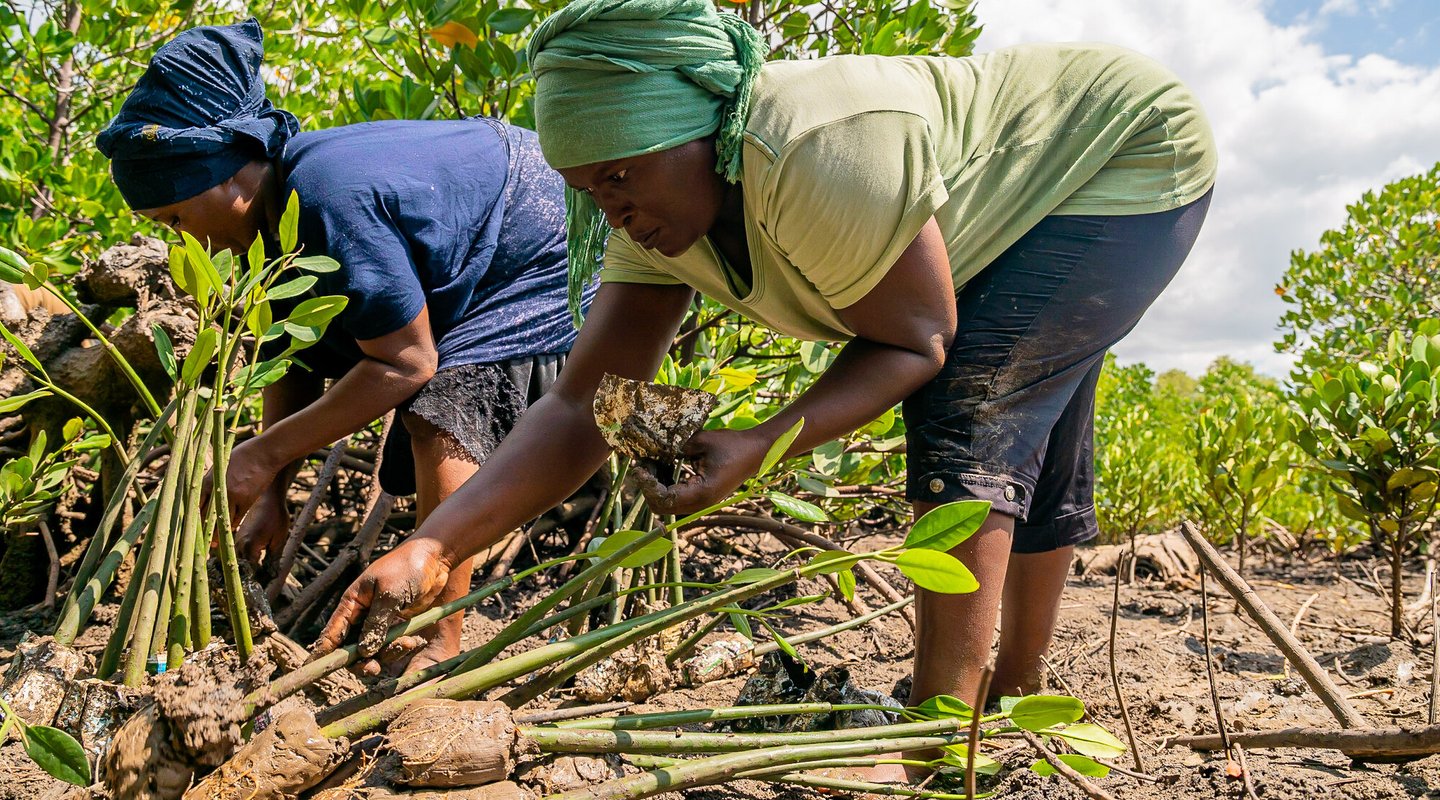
(647, 554)
(165, 349)
(510, 20)
(255, 258)
(753, 575)
(72, 429)
(317, 311)
(16, 402)
(299, 286)
(782, 642)
(199, 356)
(794, 507)
(957, 756)
(1038, 712)
(944, 527)
(943, 706)
(259, 318)
(845, 580)
(1091, 740)
(13, 266)
(778, 448)
(207, 279)
(937, 571)
(290, 223)
(742, 626)
(1088, 767)
(317, 264)
(57, 752)
(24, 351)
(823, 560)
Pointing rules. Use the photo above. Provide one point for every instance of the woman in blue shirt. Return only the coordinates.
(450, 236)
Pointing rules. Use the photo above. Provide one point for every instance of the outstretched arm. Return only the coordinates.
(903, 330)
(395, 366)
(551, 452)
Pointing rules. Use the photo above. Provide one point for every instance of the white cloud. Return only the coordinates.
(1301, 133)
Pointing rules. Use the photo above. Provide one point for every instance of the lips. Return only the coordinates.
(647, 240)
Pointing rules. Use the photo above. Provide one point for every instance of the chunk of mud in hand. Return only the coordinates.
(647, 420)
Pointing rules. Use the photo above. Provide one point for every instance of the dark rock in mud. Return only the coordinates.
(39, 676)
(780, 679)
(449, 743)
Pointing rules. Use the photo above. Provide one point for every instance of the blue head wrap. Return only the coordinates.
(196, 117)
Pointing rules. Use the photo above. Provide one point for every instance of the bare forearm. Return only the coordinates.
(365, 393)
(552, 451)
(866, 379)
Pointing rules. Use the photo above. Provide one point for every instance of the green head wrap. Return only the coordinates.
(623, 78)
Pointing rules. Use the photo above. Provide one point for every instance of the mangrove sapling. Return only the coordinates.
(1374, 427)
(941, 723)
(165, 612)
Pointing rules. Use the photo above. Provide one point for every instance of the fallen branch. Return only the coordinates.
(1289, 646)
(1371, 744)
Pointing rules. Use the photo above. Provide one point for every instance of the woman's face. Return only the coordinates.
(665, 201)
(223, 217)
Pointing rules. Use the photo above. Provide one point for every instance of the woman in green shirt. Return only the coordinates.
(979, 231)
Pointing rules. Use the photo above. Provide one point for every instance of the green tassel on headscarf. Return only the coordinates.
(623, 78)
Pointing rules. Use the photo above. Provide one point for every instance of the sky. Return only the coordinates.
(1313, 102)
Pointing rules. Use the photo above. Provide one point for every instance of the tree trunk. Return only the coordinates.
(60, 120)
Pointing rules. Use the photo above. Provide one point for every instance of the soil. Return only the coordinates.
(1162, 674)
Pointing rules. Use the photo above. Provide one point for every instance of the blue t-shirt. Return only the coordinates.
(462, 217)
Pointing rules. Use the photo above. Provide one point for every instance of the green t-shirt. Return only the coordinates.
(846, 158)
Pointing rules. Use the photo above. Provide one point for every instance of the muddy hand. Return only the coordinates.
(401, 584)
(248, 474)
(721, 460)
(265, 528)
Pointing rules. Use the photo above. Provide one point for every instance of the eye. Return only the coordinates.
(174, 223)
(618, 176)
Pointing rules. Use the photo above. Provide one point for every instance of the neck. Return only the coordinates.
(731, 218)
(270, 201)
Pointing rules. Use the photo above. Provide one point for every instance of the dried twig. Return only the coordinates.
(52, 582)
(302, 520)
(1289, 646)
(1245, 772)
(1210, 662)
(982, 693)
(1434, 652)
(1081, 782)
(1115, 669)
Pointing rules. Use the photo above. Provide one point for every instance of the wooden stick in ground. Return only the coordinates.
(982, 693)
(561, 714)
(1245, 772)
(1081, 782)
(796, 535)
(52, 581)
(1434, 652)
(1295, 622)
(1115, 667)
(302, 521)
(1368, 744)
(1289, 646)
(1210, 662)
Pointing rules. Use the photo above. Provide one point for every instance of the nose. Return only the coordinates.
(618, 213)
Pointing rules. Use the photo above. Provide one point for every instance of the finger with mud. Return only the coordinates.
(347, 613)
(384, 613)
(657, 495)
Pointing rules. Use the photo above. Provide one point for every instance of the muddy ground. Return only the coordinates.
(1162, 674)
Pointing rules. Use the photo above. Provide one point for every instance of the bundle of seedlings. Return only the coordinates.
(165, 612)
(534, 672)
(478, 750)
